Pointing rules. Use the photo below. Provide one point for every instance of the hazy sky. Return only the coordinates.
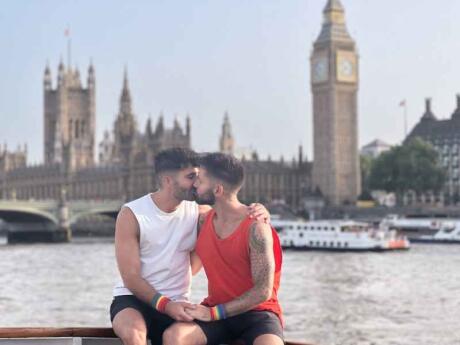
(248, 57)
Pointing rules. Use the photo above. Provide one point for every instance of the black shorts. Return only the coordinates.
(245, 327)
(155, 321)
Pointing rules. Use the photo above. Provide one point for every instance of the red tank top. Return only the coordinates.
(228, 267)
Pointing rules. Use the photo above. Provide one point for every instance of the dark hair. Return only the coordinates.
(175, 159)
(224, 167)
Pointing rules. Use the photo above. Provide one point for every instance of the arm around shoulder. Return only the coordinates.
(204, 209)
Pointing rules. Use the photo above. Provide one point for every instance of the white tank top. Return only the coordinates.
(166, 240)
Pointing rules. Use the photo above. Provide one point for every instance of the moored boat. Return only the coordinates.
(449, 233)
(415, 228)
(337, 235)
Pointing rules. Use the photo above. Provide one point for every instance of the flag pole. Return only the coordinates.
(69, 47)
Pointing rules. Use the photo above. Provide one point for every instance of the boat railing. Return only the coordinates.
(68, 336)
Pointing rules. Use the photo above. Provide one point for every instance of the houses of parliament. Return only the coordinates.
(124, 166)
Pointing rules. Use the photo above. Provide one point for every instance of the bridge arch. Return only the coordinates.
(26, 215)
(105, 211)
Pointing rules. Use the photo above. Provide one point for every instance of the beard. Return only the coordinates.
(181, 193)
(207, 198)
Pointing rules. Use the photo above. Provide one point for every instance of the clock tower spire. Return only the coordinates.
(334, 85)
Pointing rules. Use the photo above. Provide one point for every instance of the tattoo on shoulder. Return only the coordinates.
(201, 219)
(257, 240)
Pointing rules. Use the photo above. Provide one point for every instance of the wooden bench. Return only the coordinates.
(65, 336)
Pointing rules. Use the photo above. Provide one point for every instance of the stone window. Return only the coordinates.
(77, 128)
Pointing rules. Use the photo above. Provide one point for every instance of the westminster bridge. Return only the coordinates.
(47, 216)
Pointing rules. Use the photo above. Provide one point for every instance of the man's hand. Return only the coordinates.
(259, 212)
(199, 312)
(177, 311)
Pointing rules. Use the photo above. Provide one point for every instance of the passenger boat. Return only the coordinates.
(67, 336)
(337, 235)
(449, 233)
(414, 228)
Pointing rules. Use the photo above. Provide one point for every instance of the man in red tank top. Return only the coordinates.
(242, 260)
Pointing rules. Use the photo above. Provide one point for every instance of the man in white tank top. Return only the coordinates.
(155, 236)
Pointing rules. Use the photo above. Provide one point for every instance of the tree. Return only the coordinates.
(413, 166)
(366, 166)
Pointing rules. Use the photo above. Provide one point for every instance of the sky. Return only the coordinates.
(250, 58)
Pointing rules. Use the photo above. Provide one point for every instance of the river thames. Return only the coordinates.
(394, 298)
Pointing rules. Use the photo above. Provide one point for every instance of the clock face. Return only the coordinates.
(346, 66)
(320, 70)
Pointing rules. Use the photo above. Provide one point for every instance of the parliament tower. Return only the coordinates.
(334, 85)
(69, 117)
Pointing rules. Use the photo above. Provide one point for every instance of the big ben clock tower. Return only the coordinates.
(334, 84)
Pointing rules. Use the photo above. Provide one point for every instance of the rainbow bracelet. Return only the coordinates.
(218, 312)
(159, 302)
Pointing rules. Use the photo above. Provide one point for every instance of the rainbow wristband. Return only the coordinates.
(159, 302)
(218, 312)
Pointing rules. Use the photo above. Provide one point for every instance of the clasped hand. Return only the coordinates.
(187, 312)
(199, 312)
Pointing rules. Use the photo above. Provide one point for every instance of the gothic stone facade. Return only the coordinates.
(270, 181)
(444, 135)
(277, 181)
(69, 117)
(125, 167)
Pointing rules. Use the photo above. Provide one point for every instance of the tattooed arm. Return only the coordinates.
(262, 268)
(263, 271)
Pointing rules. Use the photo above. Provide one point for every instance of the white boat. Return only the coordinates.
(337, 235)
(414, 228)
(448, 233)
(414, 223)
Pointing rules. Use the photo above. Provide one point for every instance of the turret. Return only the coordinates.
(226, 141)
(176, 123)
(91, 77)
(187, 126)
(456, 114)
(148, 127)
(76, 77)
(125, 97)
(300, 155)
(61, 73)
(428, 115)
(160, 125)
(47, 82)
